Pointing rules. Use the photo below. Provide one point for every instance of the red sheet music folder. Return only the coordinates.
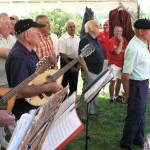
(73, 135)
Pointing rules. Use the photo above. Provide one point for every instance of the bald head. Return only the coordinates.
(70, 28)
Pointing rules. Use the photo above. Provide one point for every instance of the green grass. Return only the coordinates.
(106, 131)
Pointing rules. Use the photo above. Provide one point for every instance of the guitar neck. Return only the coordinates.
(18, 88)
(59, 73)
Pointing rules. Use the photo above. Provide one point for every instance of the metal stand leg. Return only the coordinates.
(87, 123)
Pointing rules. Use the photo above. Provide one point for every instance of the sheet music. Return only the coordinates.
(94, 89)
(65, 105)
(20, 131)
(63, 127)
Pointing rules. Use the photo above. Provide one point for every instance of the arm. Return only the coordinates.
(64, 58)
(82, 62)
(35, 90)
(5, 118)
(4, 52)
(125, 82)
(119, 48)
(83, 65)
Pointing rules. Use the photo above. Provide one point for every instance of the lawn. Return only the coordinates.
(105, 131)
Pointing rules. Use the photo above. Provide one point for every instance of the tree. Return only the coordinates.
(58, 19)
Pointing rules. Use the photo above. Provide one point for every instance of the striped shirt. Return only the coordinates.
(45, 47)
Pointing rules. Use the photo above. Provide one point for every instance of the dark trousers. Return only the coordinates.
(70, 78)
(133, 132)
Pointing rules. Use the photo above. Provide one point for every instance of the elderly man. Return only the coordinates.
(21, 63)
(136, 72)
(68, 48)
(103, 37)
(45, 46)
(6, 43)
(91, 65)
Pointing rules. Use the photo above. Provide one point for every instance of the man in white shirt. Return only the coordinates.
(6, 43)
(68, 48)
(136, 72)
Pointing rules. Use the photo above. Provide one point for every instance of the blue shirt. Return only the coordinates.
(137, 60)
(20, 64)
(95, 60)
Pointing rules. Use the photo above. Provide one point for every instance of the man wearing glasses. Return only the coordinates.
(6, 43)
(68, 48)
(21, 63)
(45, 46)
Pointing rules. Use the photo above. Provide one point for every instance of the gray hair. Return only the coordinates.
(89, 26)
(69, 22)
(40, 17)
(1, 17)
(19, 36)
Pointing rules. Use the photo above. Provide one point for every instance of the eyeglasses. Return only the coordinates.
(39, 34)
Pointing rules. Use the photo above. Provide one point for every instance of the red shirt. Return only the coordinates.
(149, 45)
(116, 59)
(103, 37)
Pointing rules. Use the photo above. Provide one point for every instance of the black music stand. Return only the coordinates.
(102, 79)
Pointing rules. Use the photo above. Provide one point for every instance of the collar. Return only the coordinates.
(24, 49)
(145, 45)
(68, 36)
(91, 37)
(2, 37)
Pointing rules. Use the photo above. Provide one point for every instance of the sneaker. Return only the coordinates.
(118, 99)
(111, 101)
(95, 114)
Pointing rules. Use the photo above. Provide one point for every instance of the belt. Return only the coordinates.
(146, 80)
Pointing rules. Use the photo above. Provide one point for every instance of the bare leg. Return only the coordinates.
(111, 88)
(117, 87)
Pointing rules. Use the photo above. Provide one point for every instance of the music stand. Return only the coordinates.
(89, 95)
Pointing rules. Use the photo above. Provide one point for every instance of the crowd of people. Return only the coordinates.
(24, 42)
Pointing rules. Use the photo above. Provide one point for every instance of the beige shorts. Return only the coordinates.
(116, 71)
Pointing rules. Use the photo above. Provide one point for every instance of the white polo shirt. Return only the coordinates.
(5, 43)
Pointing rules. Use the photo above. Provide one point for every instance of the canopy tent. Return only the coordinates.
(76, 6)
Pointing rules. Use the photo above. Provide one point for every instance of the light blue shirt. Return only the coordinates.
(137, 60)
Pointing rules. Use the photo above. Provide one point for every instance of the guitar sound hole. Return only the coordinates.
(41, 96)
(48, 94)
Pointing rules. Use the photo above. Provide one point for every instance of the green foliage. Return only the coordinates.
(58, 19)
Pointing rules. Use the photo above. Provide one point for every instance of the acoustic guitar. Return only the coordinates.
(8, 95)
(50, 76)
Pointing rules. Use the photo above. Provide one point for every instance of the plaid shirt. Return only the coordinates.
(45, 48)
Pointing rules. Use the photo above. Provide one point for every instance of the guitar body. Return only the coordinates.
(11, 102)
(55, 76)
(39, 80)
